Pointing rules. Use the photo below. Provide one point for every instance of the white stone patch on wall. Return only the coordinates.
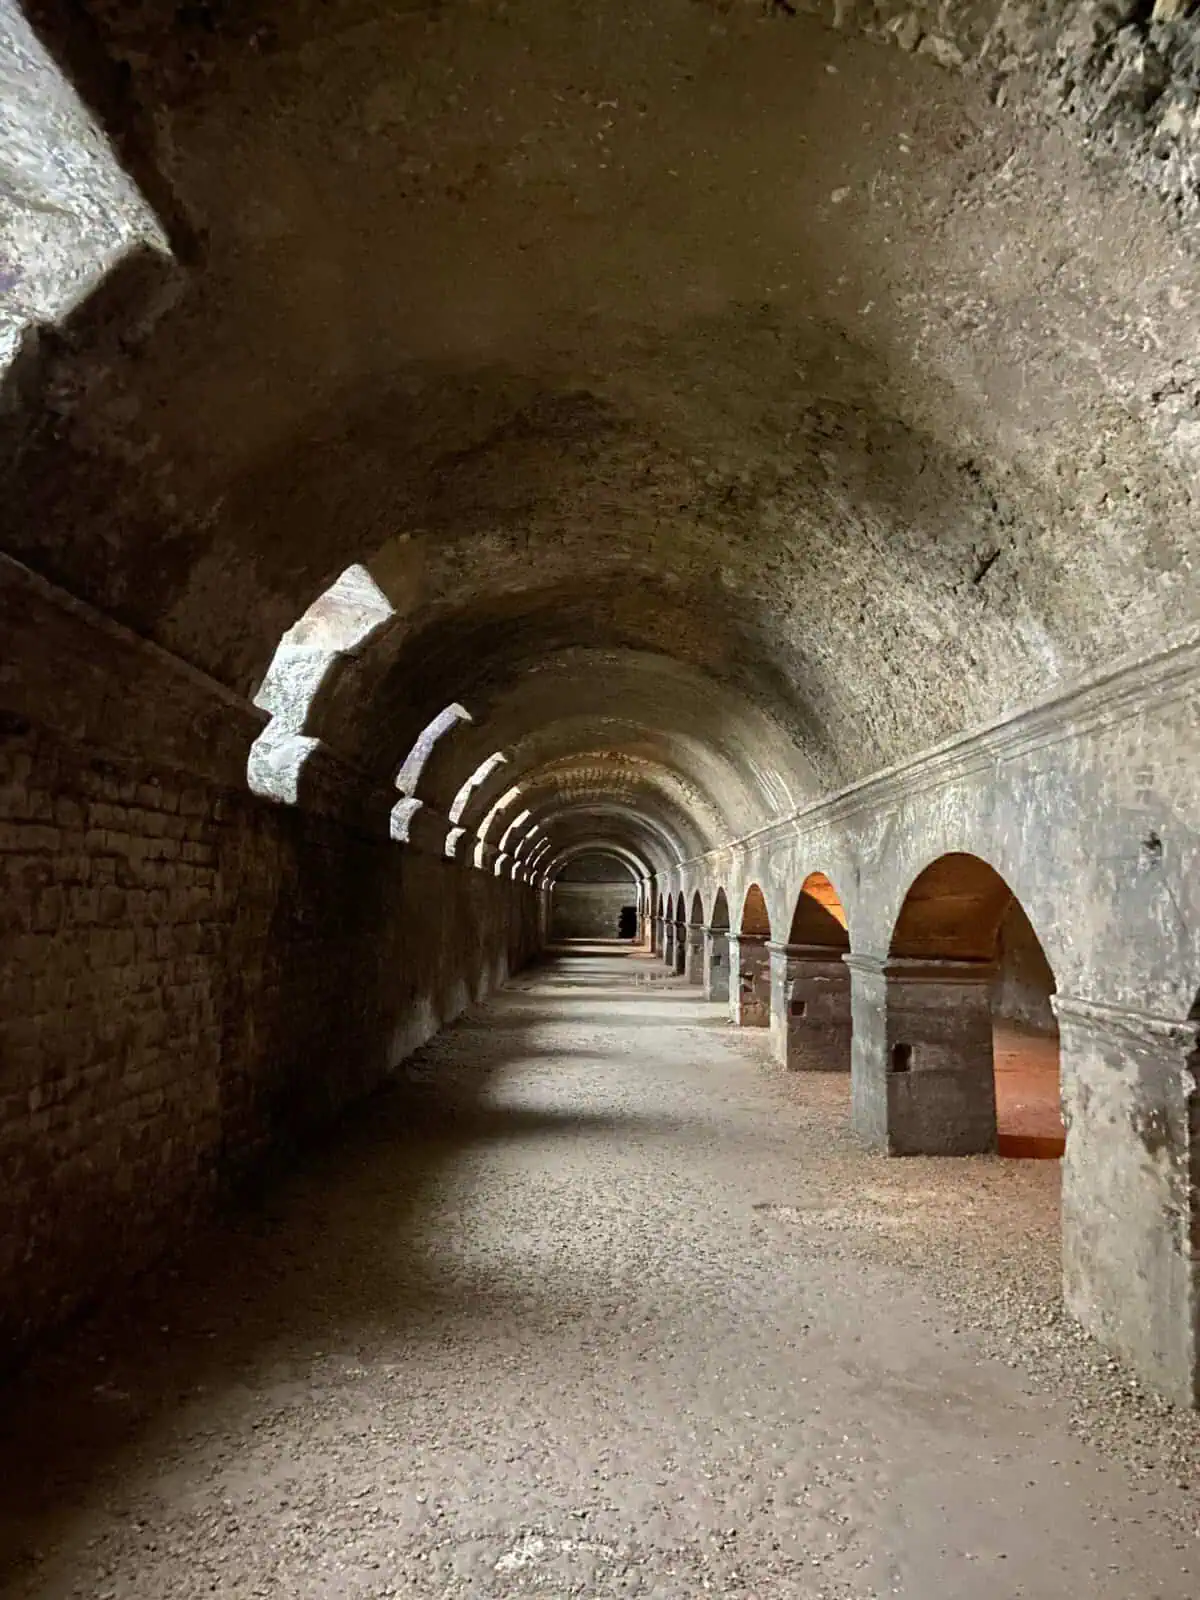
(402, 816)
(338, 623)
(414, 762)
(68, 210)
(481, 774)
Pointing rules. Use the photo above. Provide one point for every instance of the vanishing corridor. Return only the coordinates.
(597, 1302)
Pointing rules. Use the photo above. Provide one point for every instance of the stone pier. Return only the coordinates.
(810, 1008)
(716, 963)
(750, 989)
(923, 1079)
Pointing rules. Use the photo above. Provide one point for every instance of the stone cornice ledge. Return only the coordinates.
(1139, 1029)
(132, 699)
(1105, 699)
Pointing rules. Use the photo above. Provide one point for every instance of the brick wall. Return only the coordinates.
(190, 977)
(589, 910)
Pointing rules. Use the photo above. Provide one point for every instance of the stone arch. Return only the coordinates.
(965, 968)
(810, 983)
(952, 910)
(482, 773)
(527, 842)
(692, 937)
(338, 623)
(679, 951)
(749, 963)
(756, 920)
(413, 765)
(719, 916)
(656, 916)
(409, 775)
(820, 916)
(401, 820)
(482, 841)
(667, 931)
(515, 830)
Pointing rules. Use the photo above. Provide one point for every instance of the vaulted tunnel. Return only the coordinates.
(712, 478)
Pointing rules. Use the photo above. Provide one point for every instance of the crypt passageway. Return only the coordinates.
(715, 477)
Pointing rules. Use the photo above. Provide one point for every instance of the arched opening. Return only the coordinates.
(810, 983)
(1025, 1044)
(413, 766)
(414, 762)
(755, 922)
(400, 825)
(819, 917)
(693, 961)
(479, 777)
(668, 932)
(482, 840)
(513, 832)
(591, 895)
(679, 965)
(715, 957)
(963, 922)
(750, 972)
(338, 623)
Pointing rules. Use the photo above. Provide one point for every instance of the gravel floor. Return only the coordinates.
(600, 1303)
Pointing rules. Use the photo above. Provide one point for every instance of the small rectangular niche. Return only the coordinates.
(902, 1055)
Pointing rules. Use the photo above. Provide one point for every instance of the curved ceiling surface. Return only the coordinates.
(725, 405)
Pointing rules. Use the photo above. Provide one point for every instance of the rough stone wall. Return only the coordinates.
(1124, 73)
(191, 978)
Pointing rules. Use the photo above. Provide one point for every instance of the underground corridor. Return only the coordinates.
(599, 798)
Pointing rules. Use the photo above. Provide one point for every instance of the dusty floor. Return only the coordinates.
(619, 1309)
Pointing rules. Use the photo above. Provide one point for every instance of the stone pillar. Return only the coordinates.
(668, 946)
(810, 1008)
(1131, 1187)
(716, 963)
(656, 935)
(681, 945)
(693, 969)
(922, 1077)
(750, 980)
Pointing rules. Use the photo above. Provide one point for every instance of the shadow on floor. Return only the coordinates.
(88, 1398)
